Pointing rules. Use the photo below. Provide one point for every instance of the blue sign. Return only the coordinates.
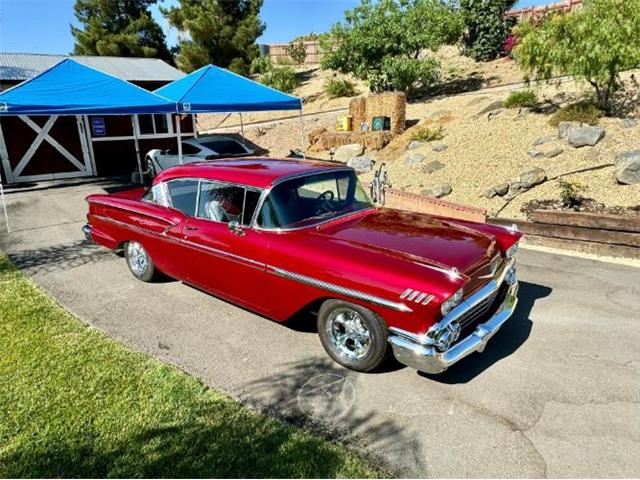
(98, 127)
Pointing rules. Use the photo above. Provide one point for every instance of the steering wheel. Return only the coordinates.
(326, 206)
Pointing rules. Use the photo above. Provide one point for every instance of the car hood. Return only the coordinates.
(418, 237)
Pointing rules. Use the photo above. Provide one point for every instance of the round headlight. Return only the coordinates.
(451, 302)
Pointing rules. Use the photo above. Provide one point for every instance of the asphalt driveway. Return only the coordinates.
(556, 393)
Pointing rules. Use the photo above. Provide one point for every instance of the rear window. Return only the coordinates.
(225, 147)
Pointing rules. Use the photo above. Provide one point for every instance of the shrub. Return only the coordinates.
(260, 65)
(340, 87)
(585, 112)
(509, 44)
(523, 98)
(594, 44)
(486, 27)
(281, 78)
(426, 134)
(382, 41)
(297, 52)
(571, 193)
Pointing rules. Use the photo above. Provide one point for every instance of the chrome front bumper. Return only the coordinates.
(413, 350)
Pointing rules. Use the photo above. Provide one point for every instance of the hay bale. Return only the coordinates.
(370, 140)
(358, 112)
(386, 104)
(315, 135)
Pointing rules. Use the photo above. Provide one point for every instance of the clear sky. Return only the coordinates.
(42, 26)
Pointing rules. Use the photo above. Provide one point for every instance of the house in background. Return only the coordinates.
(35, 148)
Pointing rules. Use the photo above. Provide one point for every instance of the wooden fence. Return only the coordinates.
(535, 12)
(278, 51)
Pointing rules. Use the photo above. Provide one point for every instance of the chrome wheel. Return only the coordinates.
(138, 258)
(348, 333)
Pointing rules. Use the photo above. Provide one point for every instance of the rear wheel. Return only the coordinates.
(352, 335)
(139, 261)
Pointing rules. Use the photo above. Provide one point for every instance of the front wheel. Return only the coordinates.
(352, 335)
(139, 261)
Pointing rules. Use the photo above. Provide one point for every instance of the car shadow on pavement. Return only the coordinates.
(320, 396)
(509, 338)
(59, 257)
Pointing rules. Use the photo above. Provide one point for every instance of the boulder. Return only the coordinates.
(629, 123)
(565, 128)
(543, 140)
(346, 152)
(361, 164)
(496, 105)
(498, 190)
(514, 188)
(628, 167)
(440, 147)
(413, 159)
(438, 192)
(532, 177)
(584, 136)
(534, 153)
(432, 167)
(415, 144)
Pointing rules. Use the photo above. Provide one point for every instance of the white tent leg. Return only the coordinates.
(4, 205)
(195, 126)
(179, 139)
(302, 142)
(137, 144)
(242, 130)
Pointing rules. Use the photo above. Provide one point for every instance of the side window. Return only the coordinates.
(226, 203)
(156, 194)
(183, 195)
(267, 217)
(188, 149)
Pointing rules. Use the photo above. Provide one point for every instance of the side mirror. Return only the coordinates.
(236, 228)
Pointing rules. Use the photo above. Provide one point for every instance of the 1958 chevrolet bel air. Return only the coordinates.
(280, 236)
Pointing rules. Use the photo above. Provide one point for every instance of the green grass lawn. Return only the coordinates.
(75, 403)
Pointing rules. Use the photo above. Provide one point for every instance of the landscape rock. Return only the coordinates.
(496, 105)
(629, 123)
(438, 192)
(440, 147)
(361, 164)
(532, 177)
(414, 159)
(415, 144)
(432, 167)
(586, 136)
(494, 113)
(346, 152)
(514, 188)
(543, 140)
(498, 190)
(565, 128)
(552, 152)
(534, 153)
(440, 113)
(628, 167)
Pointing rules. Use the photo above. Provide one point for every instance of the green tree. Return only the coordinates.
(221, 32)
(594, 44)
(118, 28)
(386, 42)
(486, 27)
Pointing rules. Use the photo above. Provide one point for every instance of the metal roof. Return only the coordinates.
(22, 66)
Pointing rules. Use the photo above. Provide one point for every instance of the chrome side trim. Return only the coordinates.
(331, 287)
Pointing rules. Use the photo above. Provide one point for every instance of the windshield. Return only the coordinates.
(308, 200)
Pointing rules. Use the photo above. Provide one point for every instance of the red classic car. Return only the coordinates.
(281, 236)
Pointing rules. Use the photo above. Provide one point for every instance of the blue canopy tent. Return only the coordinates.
(212, 89)
(71, 88)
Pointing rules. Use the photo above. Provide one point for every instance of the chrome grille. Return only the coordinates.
(479, 312)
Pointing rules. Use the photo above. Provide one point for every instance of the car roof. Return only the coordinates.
(256, 172)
